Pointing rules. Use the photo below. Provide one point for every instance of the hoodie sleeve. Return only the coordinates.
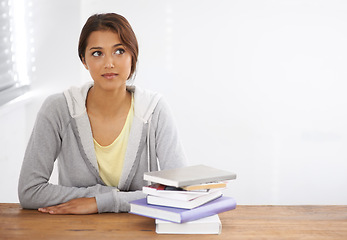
(34, 189)
(168, 147)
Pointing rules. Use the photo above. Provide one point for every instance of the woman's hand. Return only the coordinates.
(74, 206)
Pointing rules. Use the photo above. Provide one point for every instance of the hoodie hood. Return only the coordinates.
(144, 101)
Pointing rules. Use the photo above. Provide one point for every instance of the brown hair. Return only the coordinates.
(110, 22)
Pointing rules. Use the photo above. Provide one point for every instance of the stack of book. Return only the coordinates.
(185, 200)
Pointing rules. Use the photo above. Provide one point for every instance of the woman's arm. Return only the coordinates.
(44, 146)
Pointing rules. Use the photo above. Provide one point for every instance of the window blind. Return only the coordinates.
(11, 86)
(7, 75)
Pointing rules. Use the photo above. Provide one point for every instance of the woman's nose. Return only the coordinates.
(109, 62)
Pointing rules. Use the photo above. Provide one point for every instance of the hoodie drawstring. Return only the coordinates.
(148, 149)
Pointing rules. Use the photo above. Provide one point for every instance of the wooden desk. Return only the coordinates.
(245, 222)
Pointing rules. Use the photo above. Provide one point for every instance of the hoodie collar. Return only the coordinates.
(144, 104)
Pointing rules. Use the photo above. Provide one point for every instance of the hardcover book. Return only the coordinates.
(193, 203)
(172, 193)
(208, 225)
(180, 215)
(186, 176)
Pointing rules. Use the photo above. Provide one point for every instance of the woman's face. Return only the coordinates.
(108, 61)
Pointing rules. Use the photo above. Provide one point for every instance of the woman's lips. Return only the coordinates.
(110, 75)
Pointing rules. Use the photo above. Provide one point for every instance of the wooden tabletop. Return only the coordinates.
(245, 222)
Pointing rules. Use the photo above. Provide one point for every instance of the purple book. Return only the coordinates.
(180, 215)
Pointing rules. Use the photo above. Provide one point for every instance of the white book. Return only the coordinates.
(186, 176)
(178, 195)
(208, 225)
(193, 203)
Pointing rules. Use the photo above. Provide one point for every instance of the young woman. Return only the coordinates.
(105, 134)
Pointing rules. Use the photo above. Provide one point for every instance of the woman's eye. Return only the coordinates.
(96, 54)
(119, 51)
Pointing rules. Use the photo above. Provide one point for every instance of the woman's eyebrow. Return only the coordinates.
(97, 48)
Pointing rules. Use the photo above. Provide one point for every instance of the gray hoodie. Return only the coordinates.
(62, 131)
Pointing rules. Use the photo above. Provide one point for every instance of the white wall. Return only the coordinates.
(257, 87)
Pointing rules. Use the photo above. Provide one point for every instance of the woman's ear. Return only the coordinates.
(84, 63)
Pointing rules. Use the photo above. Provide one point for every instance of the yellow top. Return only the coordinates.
(111, 158)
